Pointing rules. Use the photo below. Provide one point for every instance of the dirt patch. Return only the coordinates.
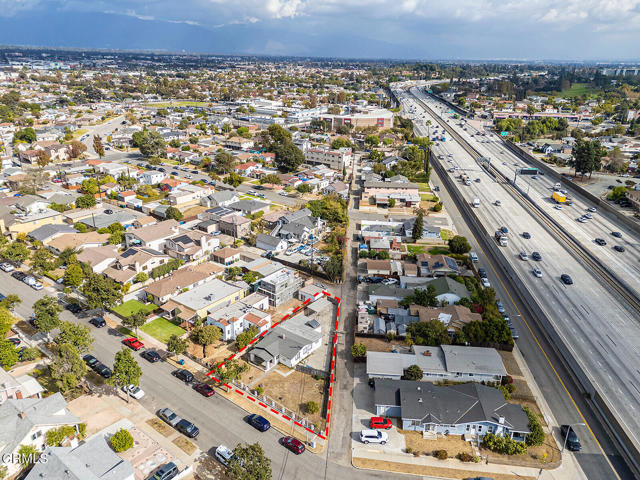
(208, 468)
(160, 427)
(428, 470)
(379, 344)
(24, 326)
(185, 445)
(522, 390)
(252, 373)
(546, 455)
(453, 444)
(510, 363)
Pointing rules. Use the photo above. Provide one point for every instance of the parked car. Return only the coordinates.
(204, 389)
(165, 472)
(102, 370)
(485, 282)
(259, 422)
(380, 423)
(482, 272)
(29, 280)
(90, 360)
(98, 322)
(19, 275)
(566, 279)
(15, 340)
(573, 442)
(500, 306)
(133, 343)
(150, 355)
(73, 307)
(224, 454)
(389, 281)
(185, 375)
(108, 211)
(133, 391)
(293, 444)
(169, 417)
(374, 436)
(7, 267)
(37, 286)
(187, 428)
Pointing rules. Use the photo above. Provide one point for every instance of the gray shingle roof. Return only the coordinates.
(45, 232)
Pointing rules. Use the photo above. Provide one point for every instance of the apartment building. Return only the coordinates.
(335, 159)
(280, 286)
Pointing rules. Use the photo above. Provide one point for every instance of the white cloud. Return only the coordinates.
(9, 8)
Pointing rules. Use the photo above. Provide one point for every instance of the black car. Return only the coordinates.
(98, 322)
(616, 234)
(108, 211)
(259, 423)
(573, 442)
(163, 170)
(566, 279)
(482, 272)
(102, 370)
(185, 375)
(90, 360)
(187, 428)
(600, 241)
(195, 172)
(19, 275)
(619, 248)
(73, 307)
(536, 256)
(526, 235)
(504, 229)
(150, 355)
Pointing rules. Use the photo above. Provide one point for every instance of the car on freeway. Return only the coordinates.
(536, 256)
(526, 235)
(558, 207)
(7, 267)
(374, 436)
(497, 203)
(169, 416)
(524, 256)
(223, 454)
(102, 370)
(504, 230)
(573, 442)
(537, 272)
(380, 423)
(165, 472)
(566, 279)
(588, 215)
(582, 219)
(482, 273)
(185, 375)
(187, 428)
(485, 282)
(259, 422)
(500, 307)
(133, 391)
(293, 444)
(150, 355)
(592, 209)
(98, 322)
(619, 248)
(477, 180)
(616, 234)
(600, 241)
(73, 307)
(204, 389)
(133, 343)
(514, 332)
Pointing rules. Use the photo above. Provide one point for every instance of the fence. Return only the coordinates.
(311, 371)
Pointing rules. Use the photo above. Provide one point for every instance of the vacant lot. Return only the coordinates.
(161, 329)
(379, 344)
(133, 306)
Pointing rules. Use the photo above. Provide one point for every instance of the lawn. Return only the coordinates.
(130, 307)
(439, 251)
(446, 235)
(579, 89)
(187, 103)
(428, 197)
(161, 329)
(415, 249)
(424, 187)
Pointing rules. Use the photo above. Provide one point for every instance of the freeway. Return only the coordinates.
(600, 332)
(539, 190)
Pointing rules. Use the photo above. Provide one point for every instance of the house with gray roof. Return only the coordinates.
(446, 362)
(249, 207)
(270, 243)
(49, 232)
(469, 409)
(220, 199)
(289, 343)
(91, 460)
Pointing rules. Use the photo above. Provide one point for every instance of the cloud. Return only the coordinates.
(9, 8)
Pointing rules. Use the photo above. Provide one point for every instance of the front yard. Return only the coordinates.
(161, 329)
(417, 445)
(130, 307)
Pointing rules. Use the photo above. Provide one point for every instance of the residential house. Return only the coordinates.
(135, 260)
(454, 317)
(428, 231)
(23, 386)
(436, 265)
(187, 194)
(446, 362)
(222, 198)
(271, 244)
(151, 177)
(469, 409)
(280, 286)
(379, 193)
(182, 279)
(240, 316)
(46, 233)
(300, 225)
(99, 258)
(76, 241)
(379, 268)
(249, 207)
(634, 197)
(26, 421)
(246, 169)
(338, 187)
(191, 245)
(226, 256)
(338, 159)
(289, 343)
(238, 143)
(154, 236)
(235, 225)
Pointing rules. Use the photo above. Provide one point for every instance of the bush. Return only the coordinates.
(414, 372)
(503, 445)
(121, 440)
(536, 437)
(409, 450)
(311, 407)
(507, 379)
(30, 353)
(437, 207)
(358, 350)
(504, 391)
(441, 454)
(465, 457)
(259, 390)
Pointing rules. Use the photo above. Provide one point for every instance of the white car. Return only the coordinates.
(389, 281)
(537, 272)
(592, 209)
(485, 282)
(558, 207)
(374, 436)
(582, 220)
(524, 256)
(6, 267)
(133, 391)
(224, 454)
(29, 280)
(37, 286)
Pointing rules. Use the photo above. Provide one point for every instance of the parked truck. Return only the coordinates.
(501, 238)
(559, 197)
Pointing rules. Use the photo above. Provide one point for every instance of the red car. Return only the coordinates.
(293, 444)
(133, 343)
(380, 422)
(204, 389)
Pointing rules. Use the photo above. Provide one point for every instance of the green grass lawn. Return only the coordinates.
(446, 235)
(424, 187)
(415, 249)
(161, 329)
(133, 306)
(438, 251)
(428, 197)
(578, 89)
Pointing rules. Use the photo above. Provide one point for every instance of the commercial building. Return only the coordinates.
(335, 159)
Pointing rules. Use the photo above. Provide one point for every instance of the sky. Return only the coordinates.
(398, 29)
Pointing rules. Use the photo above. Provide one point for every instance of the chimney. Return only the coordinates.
(427, 353)
(19, 395)
(21, 415)
(501, 420)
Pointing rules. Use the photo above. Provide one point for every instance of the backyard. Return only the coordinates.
(130, 307)
(161, 329)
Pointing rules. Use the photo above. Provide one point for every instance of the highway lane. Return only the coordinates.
(563, 313)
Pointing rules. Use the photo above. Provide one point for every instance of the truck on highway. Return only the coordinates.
(476, 202)
(501, 238)
(559, 197)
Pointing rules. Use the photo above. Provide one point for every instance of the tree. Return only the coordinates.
(8, 354)
(141, 277)
(16, 251)
(67, 367)
(271, 178)
(43, 260)
(174, 213)
(288, 157)
(333, 268)
(233, 179)
(77, 149)
(243, 339)
(6, 322)
(126, 370)
(432, 333)
(418, 225)
(617, 193)
(304, 188)
(85, 201)
(358, 350)
(249, 463)
(230, 371)
(150, 143)
(311, 407)
(536, 436)
(9, 302)
(27, 135)
(43, 158)
(135, 320)
(459, 244)
(250, 277)
(121, 441)
(205, 335)
(177, 345)
(97, 145)
(340, 142)
(101, 292)
(75, 334)
(90, 185)
(27, 455)
(586, 156)
(224, 162)
(74, 275)
(372, 140)
(46, 312)
(414, 372)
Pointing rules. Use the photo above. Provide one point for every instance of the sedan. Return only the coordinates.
(259, 422)
(526, 235)
(102, 370)
(16, 341)
(592, 209)
(184, 375)
(536, 256)
(108, 211)
(150, 355)
(380, 422)
(537, 272)
(293, 444)
(133, 343)
(98, 322)
(169, 417)
(482, 272)
(566, 279)
(90, 360)
(133, 391)
(187, 428)
(600, 241)
(558, 207)
(19, 275)
(500, 306)
(485, 283)
(73, 307)
(616, 234)
(619, 248)
(7, 267)
(204, 389)
(573, 443)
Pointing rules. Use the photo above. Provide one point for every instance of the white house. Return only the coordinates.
(151, 177)
(240, 316)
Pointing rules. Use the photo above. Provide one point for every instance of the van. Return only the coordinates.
(166, 472)
(474, 257)
(476, 202)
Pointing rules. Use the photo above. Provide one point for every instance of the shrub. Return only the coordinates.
(507, 379)
(311, 407)
(503, 445)
(536, 437)
(504, 391)
(437, 207)
(414, 372)
(358, 350)
(465, 457)
(30, 353)
(409, 450)
(121, 440)
(441, 454)
(259, 390)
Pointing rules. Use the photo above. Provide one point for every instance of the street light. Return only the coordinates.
(571, 425)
